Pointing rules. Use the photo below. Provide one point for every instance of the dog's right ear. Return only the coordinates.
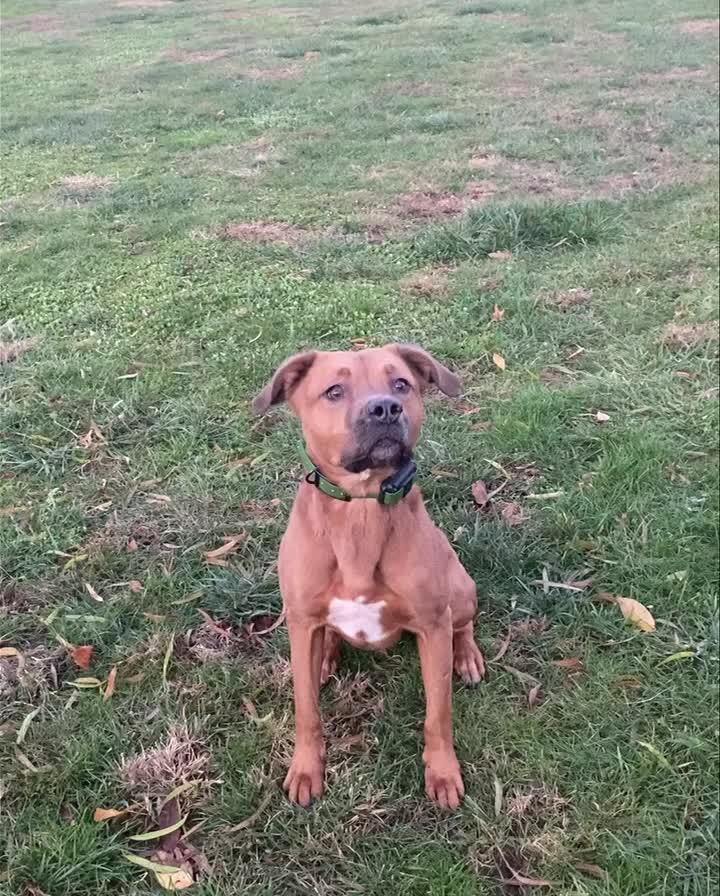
(285, 378)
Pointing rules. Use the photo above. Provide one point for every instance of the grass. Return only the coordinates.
(578, 142)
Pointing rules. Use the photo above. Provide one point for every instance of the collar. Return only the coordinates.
(392, 490)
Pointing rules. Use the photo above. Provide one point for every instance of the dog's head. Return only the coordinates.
(358, 410)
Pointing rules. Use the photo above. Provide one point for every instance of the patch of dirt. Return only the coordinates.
(687, 336)
(677, 73)
(439, 204)
(12, 350)
(428, 283)
(698, 26)
(180, 757)
(266, 233)
(195, 56)
(37, 22)
(284, 73)
(566, 299)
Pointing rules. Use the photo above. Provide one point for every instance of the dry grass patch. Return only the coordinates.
(180, 757)
(13, 349)
(33, 671)
(440, 204)
(428, 283)
(144, 4)
(698, 26)
(195, 56)
(81, 188)
(566, 299)
(688, 336)
(284, 73)
(266, 233)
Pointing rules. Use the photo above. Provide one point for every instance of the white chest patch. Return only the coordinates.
(357, 619)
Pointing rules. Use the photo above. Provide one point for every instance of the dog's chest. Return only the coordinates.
(363, 621)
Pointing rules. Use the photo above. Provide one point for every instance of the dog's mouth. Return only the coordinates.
(382, 451)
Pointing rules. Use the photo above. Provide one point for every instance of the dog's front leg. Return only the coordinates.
(304, 780)
(443, 781)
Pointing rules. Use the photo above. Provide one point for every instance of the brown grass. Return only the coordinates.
(428, 283)
(566, 299)
(12, 350)
(687, 336)
(195, 56)
(284, 73)
(178, 758)
(698, 26)
(265, 233)
(438, 204)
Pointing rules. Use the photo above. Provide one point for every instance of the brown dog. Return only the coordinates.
(361, 560)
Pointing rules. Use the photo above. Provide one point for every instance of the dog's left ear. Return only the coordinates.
(285, 378)
(430, 371)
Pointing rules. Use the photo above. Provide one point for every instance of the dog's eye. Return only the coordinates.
(401, 385)
(334, 393)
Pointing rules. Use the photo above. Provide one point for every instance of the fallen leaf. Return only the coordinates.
(149, 865)
(653, 750)
(498, 797)
(675, 657)
(521, 676)
(131, 546)
(500, 255)
(189, 598)
(533, 696)
(178, 791)
(592, 870)
(602, 417)
(73, 561)
(635, 612)
(14, 652)
(92, 436)
(249, 707)
(135, 586)
(107, 814)
(136, 678)
(26, 725)
(480, 493)
(498, 361)
(155, 617)
(161, 832)
(231, 545)
(503, 649)
(519, 880)
(511, 513)
(629, 682)
(86, 683)
(250, 820)
(570, 662)
(82, 655)
(168, 655)
(498, 313)
(180, 879)
(110, 686)
(93, 593)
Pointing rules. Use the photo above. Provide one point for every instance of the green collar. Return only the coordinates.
(392, 490)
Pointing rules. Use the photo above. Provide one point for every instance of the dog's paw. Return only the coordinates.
(468, 661)
(443, 780)
(304, 781)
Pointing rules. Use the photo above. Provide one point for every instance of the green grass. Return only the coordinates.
(127, 446)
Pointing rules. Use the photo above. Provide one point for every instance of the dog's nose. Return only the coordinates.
(384, 410)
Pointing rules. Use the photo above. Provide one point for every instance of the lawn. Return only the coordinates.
(192, 191)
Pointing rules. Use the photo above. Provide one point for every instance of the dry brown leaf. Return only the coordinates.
(82, 656)
(498, 313)
(155, 617)
(230, 547)
(93, 593)
(176, 880)
(511, 513)
(592, 870)
(635, 612)
(249, 707)
(503, 649)
(602, 417)
(570, 662)
(91, 437)
(519, 880)
(132, 545)
(136, 678)
(498, 361)
(533, 696)
(135, 586)
(110, 686)
(500, 255)
(15, 654)
(106, 814)
(480, 493)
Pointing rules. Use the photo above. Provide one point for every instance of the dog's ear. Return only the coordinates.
(430, 371)
(285, 378)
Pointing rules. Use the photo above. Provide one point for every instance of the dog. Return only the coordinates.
(361, 560)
